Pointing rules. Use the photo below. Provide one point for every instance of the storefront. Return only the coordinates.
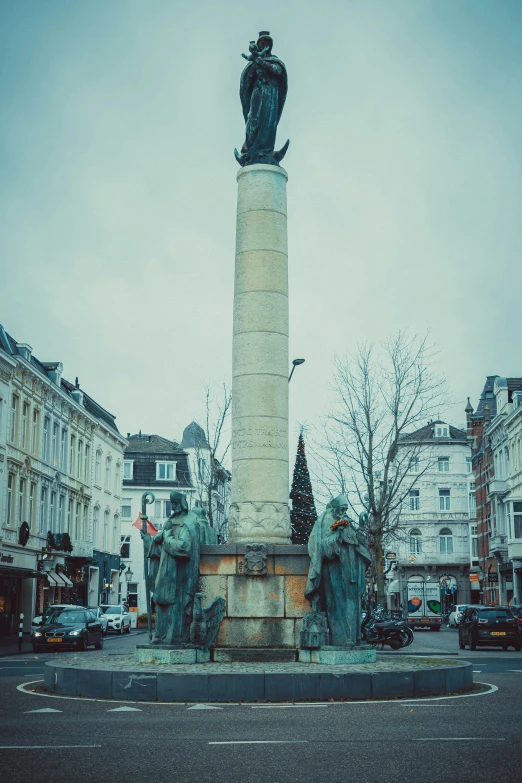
(18, 575)
(104, 579)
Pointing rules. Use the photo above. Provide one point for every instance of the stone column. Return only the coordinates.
(259, 509)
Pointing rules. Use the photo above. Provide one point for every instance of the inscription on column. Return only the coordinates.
(260, 437)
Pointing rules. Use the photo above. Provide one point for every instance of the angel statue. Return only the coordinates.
(263, 88)
(181, 620)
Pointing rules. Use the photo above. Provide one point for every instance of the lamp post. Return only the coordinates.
(128, 578)
(295, 363)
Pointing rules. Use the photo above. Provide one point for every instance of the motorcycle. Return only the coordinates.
(376, 629)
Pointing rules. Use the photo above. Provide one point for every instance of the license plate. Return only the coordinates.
(498, 633)
(424, 620)
(54, 639)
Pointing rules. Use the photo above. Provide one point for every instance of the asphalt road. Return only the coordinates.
(467, 738)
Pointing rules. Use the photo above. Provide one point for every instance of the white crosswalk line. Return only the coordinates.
(204, 707)
(45, 709)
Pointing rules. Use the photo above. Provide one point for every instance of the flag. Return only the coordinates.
(151, 530)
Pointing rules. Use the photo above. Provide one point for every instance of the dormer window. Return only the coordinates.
(441, 430)
(165, 471)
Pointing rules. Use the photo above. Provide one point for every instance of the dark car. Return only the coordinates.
(64, 627)
(487, 626)
(516, 611)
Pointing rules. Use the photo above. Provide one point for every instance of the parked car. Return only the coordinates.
(455, 615)
(101, 616)
(489, 625)
(37, 621)
(118, 618)
(75, 627)
(516, 610)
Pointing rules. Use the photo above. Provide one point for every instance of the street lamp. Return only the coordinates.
(295, 363)
(128, 578)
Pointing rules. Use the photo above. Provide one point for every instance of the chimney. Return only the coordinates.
(128, 435)
(469, 411)
(487, 416)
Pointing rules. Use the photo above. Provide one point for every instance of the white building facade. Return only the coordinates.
(435, 540)
(46, 484)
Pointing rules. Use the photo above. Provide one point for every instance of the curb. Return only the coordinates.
(319, 684)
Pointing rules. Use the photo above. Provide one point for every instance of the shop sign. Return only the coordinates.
(492, 578)
(11, 559)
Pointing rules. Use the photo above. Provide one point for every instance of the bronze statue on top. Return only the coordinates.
(263, 88)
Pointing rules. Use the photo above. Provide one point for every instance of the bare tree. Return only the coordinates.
(210, 456)
(382, 394)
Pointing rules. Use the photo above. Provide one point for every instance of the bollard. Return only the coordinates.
(20, 632)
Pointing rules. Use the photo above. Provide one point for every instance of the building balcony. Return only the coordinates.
(498, 487)
(498, 546)
(82, 549)
(515, 549)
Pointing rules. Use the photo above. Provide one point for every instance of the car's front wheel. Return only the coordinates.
(517, 646)
(128, 628)
(99, 645)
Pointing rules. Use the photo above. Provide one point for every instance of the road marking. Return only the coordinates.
(514, 670)
(125, 709)
(426, 700)
(260, 742)
(459, 739)
(45, 709)
(204, 707)
(44, 747)
(287, 706)
(477, 671)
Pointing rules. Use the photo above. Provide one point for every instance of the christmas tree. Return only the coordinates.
(303, 514)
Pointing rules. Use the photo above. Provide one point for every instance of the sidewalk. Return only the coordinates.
(9, 644)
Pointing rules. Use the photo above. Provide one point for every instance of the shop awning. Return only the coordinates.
(65, 579)
(20, 573)
(53, 579)
(394, 587)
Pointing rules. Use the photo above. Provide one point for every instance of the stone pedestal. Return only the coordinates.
(166, 653)
(259, 507)
(334, 656)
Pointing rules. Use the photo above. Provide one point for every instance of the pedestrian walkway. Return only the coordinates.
(9, 644)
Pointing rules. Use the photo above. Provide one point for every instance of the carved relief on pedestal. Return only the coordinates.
(267, 522)
(255, 560)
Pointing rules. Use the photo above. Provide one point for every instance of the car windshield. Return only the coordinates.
(111, 609)
(65, 617)
(494, 614)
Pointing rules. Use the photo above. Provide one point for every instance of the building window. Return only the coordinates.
(445, 541)
(61, 520)
(468, 464)
(443, 464)
(115, 533)
(108, 474)
(117, 478)
(517, 519)
(23, 429)
(79, 459)
(85, 521)
(472, 500)
(97, 467)
(105, 530)
(51, 512)
(125, 547)
(21, 497)
(414, 499)
(414, 465)
(45, 447)
(415, 542)
(128, 470)
(162, 509)
(32, 490)
(72, 452)
(165, 471)
(34, 432)
(54, 446)
(43, 509)
(69, 517)
(95, 521)
(126, 507)
(474, 547)
(10, 486)
(87, 464)
(14, 416)
(63, 450)
(444, 500)
(441, 431)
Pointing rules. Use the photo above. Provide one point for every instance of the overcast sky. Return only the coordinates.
(118, 121)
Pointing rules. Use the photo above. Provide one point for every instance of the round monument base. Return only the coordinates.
(122, 679)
